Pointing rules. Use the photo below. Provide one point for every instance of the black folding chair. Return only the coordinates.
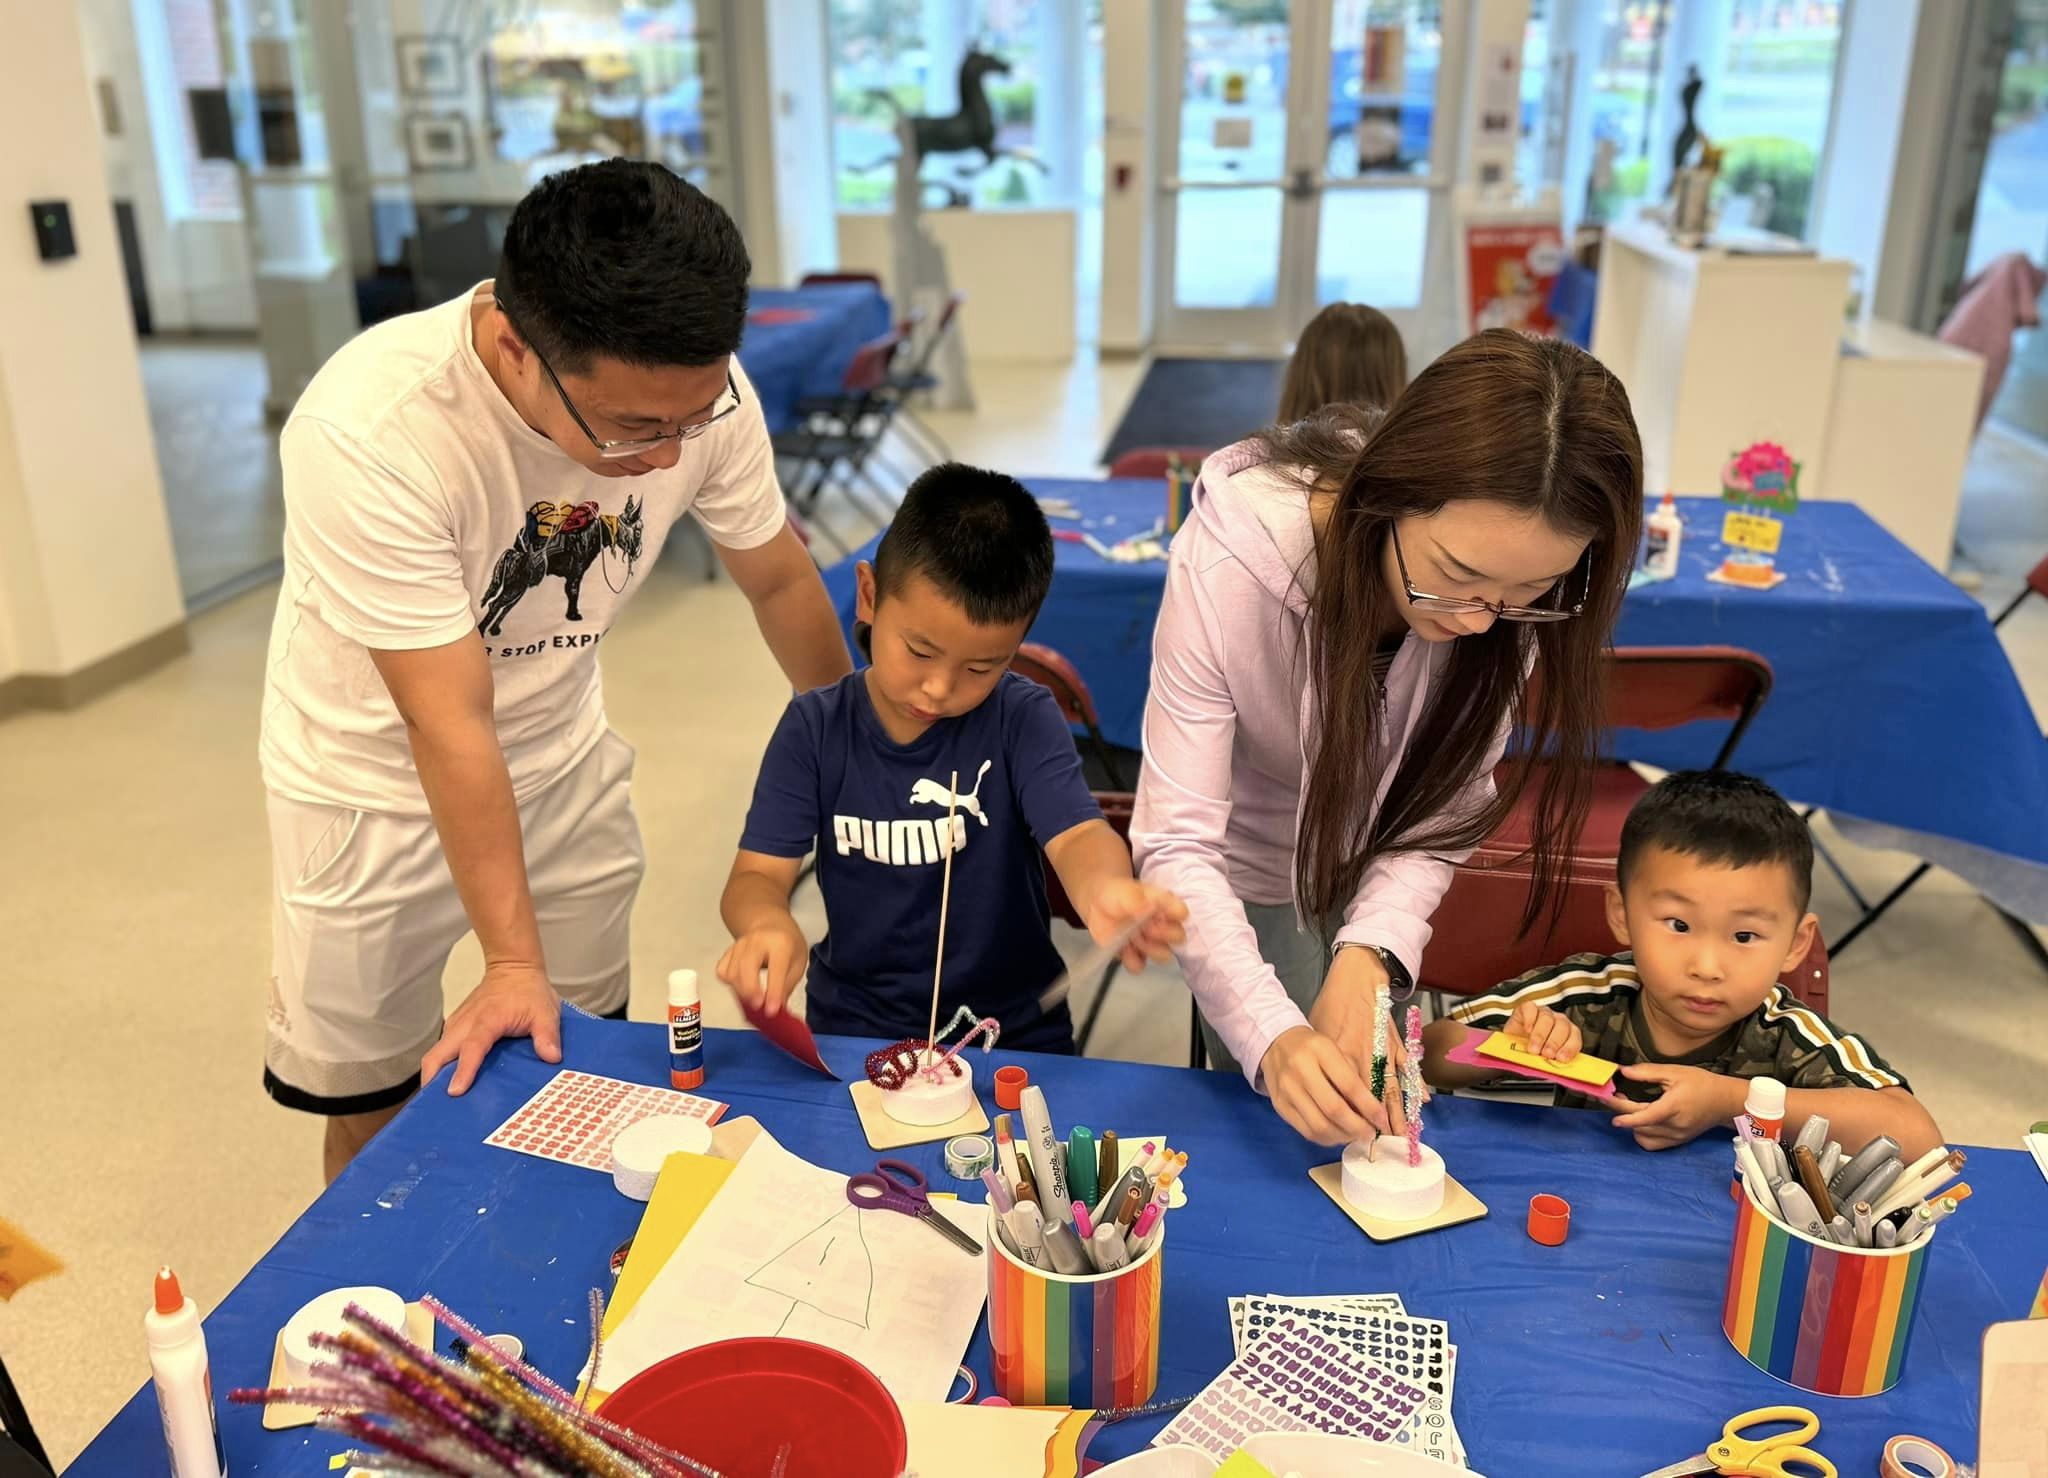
(839, 432)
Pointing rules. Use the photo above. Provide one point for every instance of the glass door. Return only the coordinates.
(1309, 151)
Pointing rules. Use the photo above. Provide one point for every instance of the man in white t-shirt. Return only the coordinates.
(473, 493)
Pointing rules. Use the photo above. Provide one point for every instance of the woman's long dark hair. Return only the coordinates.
(1532, 423)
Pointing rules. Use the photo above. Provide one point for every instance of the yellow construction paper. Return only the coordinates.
(22, 1260)
(1585, 1068)
(1243, 1465)
(681, 1192)
(966, 1441)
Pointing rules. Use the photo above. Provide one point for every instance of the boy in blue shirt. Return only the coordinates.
(862, 771)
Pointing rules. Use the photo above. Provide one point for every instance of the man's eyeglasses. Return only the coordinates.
(635, 446)
(1456, 606)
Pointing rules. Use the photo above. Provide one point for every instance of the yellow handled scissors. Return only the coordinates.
(1780, 1455)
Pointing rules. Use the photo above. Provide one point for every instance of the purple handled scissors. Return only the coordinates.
(895, 1186)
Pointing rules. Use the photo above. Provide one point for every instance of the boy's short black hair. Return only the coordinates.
(979, 536)
(1717, 816)
(625, 260)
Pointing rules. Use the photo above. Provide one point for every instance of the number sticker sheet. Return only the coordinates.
(1294, 1380)
(1277, 1305)
(576, 1116)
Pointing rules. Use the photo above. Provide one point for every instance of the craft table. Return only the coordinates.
(1895, 708)
(799, 341)
(1605, 1354)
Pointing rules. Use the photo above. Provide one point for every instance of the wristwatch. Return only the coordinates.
(1397, 973)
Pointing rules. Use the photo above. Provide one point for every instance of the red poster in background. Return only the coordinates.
(1511, 267)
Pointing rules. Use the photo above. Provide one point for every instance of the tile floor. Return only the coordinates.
(135, 1129)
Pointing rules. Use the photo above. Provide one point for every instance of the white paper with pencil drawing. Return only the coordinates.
(781, 1251)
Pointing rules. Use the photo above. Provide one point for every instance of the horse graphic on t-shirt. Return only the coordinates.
(559, 539)
(936, 793)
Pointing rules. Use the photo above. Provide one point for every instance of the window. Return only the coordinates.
(179, 50)
(895, 57)
(1774, 91)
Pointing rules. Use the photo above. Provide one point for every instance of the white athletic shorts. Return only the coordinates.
(364, 913)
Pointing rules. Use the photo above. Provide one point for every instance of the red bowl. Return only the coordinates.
(735, 1405)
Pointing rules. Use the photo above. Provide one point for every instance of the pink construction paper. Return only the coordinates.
(781, 315)
(1466, 1053)
(791, 1033)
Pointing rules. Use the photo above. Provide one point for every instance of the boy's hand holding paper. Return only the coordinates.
(1545, 1033)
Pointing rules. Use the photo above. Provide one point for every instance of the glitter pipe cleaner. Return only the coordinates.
(987, 1027)
(1382, 1028)
(1411, 1086)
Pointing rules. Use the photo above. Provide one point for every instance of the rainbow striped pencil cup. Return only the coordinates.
(1083, 1340)
(1829, 1319)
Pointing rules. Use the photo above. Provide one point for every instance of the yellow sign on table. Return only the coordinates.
(1752, 531)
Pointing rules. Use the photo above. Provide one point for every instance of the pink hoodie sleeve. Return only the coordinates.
(1183, 809)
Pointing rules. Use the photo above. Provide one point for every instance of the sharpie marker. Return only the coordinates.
(1852, 1172)
(1084, 1224)
(1133, 1178)
(1108, 1250)
(1065, 1249)
(1027, 1230)
(1006, 1149)
(998, 1194)
(1048, 1168)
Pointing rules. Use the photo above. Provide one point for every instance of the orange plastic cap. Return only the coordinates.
(1550, 1219)
(1010, 1083)
(169, 1296)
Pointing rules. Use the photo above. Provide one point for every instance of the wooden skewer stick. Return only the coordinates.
(931, 1036)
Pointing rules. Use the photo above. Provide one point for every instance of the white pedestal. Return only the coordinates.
(1717, 351)
(920, 1101)
(1899, 433)
(1387, 1187)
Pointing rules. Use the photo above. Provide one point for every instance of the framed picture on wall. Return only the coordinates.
(438, 141)
(430, 66)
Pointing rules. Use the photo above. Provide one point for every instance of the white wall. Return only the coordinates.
(85, 565)
(1016, 267)
(1130, 50)
(781, 110)
(1853, 195)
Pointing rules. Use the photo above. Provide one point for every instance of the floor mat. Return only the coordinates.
(1198, 402)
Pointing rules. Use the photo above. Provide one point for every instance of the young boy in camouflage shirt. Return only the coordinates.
(1714, 876)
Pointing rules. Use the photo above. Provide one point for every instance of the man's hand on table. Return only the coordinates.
(512, 1000)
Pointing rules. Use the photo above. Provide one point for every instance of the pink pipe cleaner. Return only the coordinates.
(1411, 1086)
(987, 1027)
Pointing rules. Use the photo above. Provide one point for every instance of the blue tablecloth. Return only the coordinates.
(1603, 1355)
(1894, 701)
(789, 359)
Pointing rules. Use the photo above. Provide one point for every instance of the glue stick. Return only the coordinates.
(1765, 1110)
(184, 1382)
(685, 1031)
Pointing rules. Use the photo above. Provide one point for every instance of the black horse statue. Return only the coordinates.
(974, 125)
(559, 540)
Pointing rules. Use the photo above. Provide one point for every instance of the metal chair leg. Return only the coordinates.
(2027, 936)
(1841, 874)
(1095, 1008)
(1874, 914)
(1198, 1055)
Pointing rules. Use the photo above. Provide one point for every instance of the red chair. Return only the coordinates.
(1049, 669)
(1155, 461)
(826, 279)
(1651, 688)
(1492, 889)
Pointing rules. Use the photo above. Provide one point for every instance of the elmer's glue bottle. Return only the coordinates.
(184, 1382)
(685, 1031)
(1662, 532)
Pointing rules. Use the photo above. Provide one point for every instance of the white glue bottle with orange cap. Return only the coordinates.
(1663, 532)
(184, 1382)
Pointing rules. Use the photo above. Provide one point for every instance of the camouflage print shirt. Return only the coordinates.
(1602, 996)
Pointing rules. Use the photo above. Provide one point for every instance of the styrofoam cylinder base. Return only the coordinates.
(642, 1149)
(1388, 1187)
(921, 1101)
(322, 1315)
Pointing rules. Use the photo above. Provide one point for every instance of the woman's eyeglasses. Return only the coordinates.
(619, 450)
(1457, 606)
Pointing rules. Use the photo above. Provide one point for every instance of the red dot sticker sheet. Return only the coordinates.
(576, 1116)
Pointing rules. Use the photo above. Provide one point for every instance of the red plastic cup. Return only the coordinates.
(737, 1404)
(1550, 1219)
(1010, 1084)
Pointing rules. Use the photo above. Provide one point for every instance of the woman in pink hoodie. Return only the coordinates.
(1351, 611)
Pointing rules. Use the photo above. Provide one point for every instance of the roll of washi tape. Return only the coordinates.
(967, 1155)
(1915, 1457)
(641, 1150)
(1010, 1084)
(322, 1315)
(1550, 1219)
